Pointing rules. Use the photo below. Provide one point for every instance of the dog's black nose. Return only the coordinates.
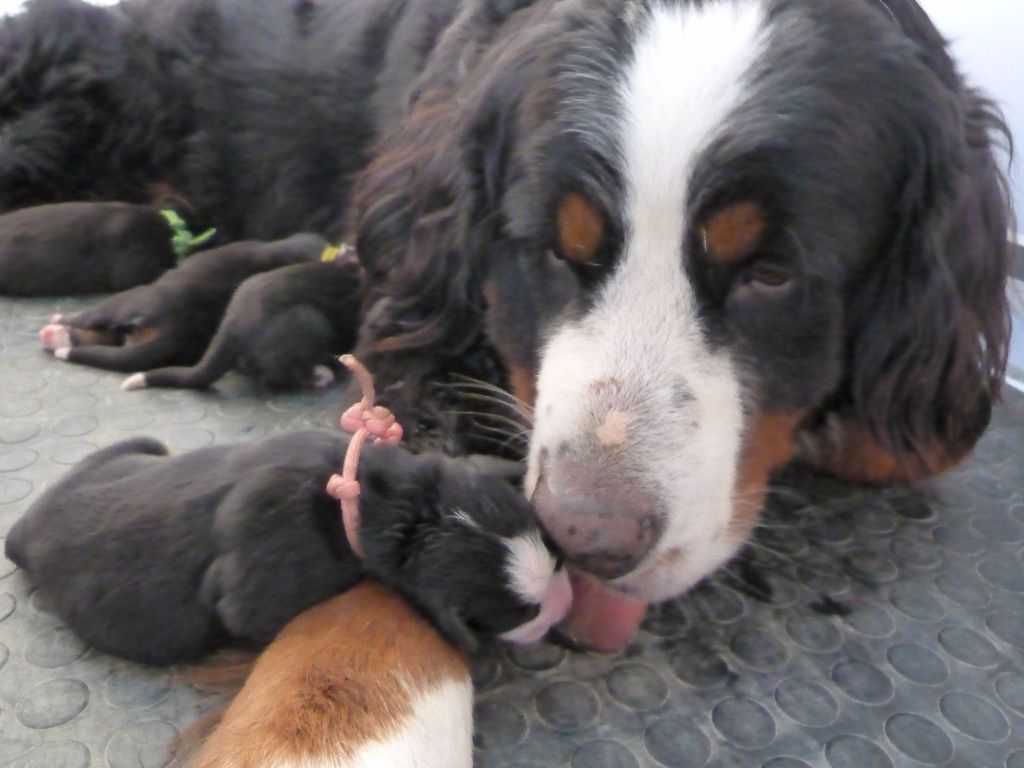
(606, 525)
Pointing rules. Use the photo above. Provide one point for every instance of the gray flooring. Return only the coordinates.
(863, 629)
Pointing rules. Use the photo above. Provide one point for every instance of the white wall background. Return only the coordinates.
(988, 40)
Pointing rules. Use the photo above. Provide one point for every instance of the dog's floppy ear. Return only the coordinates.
(455, 629)
(930, 318)
(427, 214)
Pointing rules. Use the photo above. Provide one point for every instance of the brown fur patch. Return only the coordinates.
(163, 194)
(521, 379)
(768, 445)
(857, 457)
(734, 232)
(224, 672)
(523, 383)
(336, 677)
(580, 229)
(140, 336)
(83, 337)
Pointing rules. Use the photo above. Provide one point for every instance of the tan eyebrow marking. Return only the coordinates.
(734, 232)
(580, 228)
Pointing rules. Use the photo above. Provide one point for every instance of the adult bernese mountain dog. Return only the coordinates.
(695, 239)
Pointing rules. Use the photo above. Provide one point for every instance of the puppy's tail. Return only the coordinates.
(219, 359)
(148, 446)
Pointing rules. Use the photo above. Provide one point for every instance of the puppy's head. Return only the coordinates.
(465, 547)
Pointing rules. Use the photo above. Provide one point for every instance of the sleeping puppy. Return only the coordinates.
(171, 321)
(359, 680)
(284, 329)
(160, 559)
(71, 249)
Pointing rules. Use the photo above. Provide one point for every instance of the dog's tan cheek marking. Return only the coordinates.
(521, 380)
(861, 459)
(338, 676)
(768, 445)
(523, 384)
(580, 229)
(734, 233)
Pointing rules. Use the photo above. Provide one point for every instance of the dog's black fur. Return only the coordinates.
(442, 137)
(162, 559)
(81, 248)
(284, 329)
(258, 114)
(171, 321)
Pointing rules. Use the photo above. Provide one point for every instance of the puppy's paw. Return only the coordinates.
(323, 377)
(63, 353)
(58, 318)
(135, 381)
(55, 336)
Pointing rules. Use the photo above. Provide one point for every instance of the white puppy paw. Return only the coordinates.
(135, 381)
(55, 336)
(323, 377)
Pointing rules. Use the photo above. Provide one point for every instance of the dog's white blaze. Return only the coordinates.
(439, 734)
(529, 567)
(686, 77)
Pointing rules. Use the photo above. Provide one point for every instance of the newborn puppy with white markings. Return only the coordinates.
(283, 329)
(163, 559)
(170, 321)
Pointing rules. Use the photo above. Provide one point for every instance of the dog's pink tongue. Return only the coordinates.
(601, 619)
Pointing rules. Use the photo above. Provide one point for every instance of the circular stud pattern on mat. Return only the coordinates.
(698, 666)
(676, 741)
(919, 739)
(567, 706)
(603, 754)
(918, 664)
(974, 716)
(128, 688)
(855, 752)
(52, 703)
(637, 686)
(806, 703)
(969, 647)
(141, 745)
(55, 754)
(744, 723)
(862, 682)
(498, 725)
(54, 647)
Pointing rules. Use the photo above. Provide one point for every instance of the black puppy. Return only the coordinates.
(171, 321)
(284, 329)
(160, 559)
(72, 249)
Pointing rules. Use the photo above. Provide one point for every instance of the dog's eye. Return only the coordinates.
(767, 277)
(581, 230)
